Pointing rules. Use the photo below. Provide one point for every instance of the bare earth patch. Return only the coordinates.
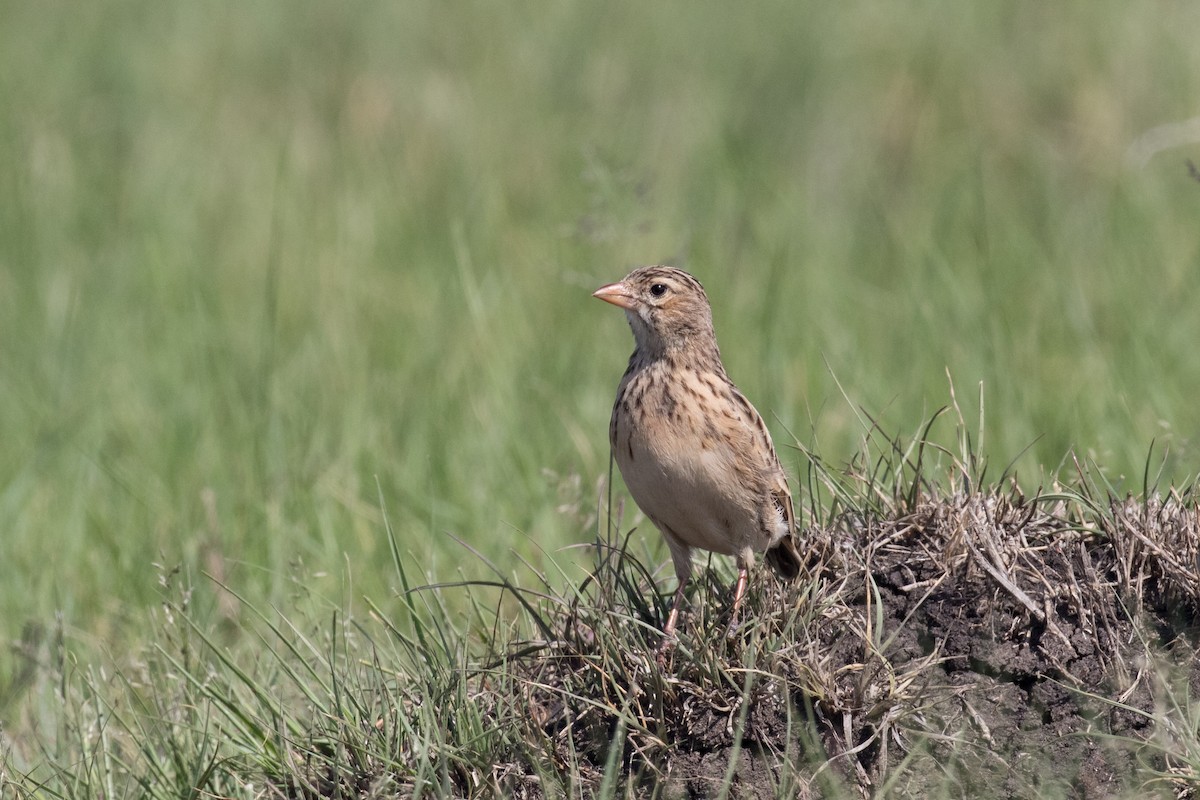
(982, 644)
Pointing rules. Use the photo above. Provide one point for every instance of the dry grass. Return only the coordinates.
(976, 641)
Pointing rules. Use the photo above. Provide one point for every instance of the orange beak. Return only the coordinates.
(617, 294)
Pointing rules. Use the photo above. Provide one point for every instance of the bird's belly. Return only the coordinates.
(693, 492)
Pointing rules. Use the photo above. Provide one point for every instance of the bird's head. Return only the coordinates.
(666, 307)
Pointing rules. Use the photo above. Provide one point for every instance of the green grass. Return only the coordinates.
(261, 266)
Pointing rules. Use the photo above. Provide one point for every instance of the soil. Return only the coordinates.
(972, 646)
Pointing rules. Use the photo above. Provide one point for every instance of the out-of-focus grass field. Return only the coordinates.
(262, 265)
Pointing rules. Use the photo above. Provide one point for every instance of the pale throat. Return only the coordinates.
(693, 343)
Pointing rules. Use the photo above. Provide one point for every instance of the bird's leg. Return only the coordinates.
(668, 638)
(739, 591)
(681, 555)
(739, 588)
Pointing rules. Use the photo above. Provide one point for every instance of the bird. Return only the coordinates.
(694, 453)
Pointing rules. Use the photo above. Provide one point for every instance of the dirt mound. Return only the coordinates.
(980, 645)
(1053, 636)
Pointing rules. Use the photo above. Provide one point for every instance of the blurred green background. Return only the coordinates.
(264, 264)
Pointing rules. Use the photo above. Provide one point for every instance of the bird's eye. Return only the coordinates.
(658, 289)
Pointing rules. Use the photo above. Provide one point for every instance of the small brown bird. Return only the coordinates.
(694, 453)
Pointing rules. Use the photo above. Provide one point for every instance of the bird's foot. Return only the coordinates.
(735, 622)
(665, 648)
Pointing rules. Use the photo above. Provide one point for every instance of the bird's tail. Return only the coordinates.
(784, 558)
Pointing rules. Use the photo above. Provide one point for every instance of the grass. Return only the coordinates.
(854, 682)
(259, 267)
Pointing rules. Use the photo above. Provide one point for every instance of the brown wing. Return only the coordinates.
(783, 497)
(783, 556)
(763, 444)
